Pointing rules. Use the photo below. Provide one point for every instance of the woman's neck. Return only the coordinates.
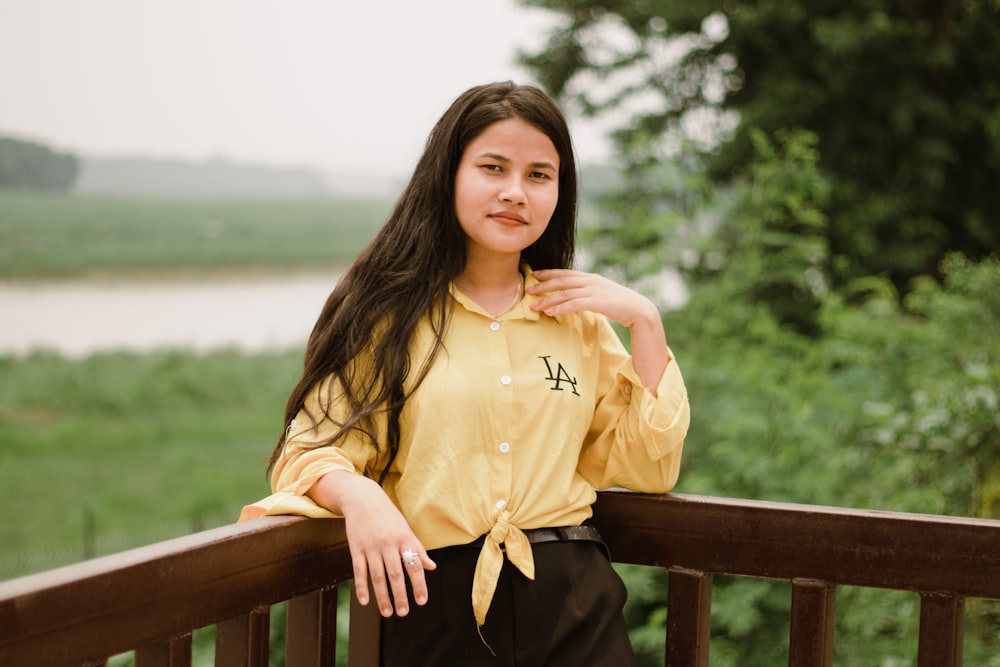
(496, 288)
(490, 278)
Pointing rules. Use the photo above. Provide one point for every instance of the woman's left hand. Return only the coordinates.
(567, 291)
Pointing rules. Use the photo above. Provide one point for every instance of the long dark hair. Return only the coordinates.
(362, 336)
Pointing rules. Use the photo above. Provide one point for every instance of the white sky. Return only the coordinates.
(341, 85)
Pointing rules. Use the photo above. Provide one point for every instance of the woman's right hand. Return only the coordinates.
(377, 534)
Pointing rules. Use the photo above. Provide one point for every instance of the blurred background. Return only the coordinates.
(811, 192)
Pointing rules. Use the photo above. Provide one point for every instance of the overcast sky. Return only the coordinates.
(341, 85)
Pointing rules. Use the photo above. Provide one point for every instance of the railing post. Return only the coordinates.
(689, 618)
(311, 629)
(813, 615)
(175, 652)
(366, 633)
(942, 630)
(244, 641)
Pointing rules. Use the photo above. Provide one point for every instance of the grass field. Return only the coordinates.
(67, 236)
(120, 450)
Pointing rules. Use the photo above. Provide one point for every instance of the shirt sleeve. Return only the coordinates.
(637, 436)
(304, 460)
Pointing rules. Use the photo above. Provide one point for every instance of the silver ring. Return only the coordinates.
(409, 557)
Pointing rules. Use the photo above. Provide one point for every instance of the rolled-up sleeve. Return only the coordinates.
(305, 458)
(637, 436)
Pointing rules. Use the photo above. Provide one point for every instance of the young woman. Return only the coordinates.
(463, 395)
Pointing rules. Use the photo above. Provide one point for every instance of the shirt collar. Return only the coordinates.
(522, 310)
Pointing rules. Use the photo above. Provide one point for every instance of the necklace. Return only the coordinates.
(517, 297)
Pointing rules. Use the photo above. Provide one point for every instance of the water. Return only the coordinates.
(75, 319)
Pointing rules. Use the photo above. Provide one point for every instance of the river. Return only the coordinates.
(78, 318)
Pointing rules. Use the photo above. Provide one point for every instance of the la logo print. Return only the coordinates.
(559, 377)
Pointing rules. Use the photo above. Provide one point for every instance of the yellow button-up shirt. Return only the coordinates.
(517, 422)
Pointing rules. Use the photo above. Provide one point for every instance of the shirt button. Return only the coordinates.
(494, 326)
(504, 379)
(501, 504)
(504, 447)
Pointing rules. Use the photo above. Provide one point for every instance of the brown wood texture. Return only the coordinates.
(689, 618)
(913, 552)
(110, 605)
(942, 628)
(311, 629)
(813, 612)
(151, 599)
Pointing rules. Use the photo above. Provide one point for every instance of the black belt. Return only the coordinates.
(540, 536)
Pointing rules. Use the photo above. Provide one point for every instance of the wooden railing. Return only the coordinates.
(151, 599)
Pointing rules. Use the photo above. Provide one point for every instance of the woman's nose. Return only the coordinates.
(513, 192)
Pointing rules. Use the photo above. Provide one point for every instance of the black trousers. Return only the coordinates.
(570, 615)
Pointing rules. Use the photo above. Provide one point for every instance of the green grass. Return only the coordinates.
(120, 450)
(133, 449)
(148, 447)
(68, 236)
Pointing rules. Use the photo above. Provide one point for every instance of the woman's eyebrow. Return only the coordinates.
(533, 165)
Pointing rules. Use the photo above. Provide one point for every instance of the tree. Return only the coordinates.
(813, 167)
(24, 164)
(889, 403)
(903, 96)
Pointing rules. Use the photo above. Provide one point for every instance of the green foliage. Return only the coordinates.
(24, 164)
(51, 235)
(650, 204)
(774, 236)
(149, 446)
(904, 99)
(892, 406)
(938, 360)
(751, 611)
(880, 402)
(806, 391)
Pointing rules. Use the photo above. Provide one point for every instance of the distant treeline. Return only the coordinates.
(35, 166)
(30, 165)
(217, 177)
(24, 164)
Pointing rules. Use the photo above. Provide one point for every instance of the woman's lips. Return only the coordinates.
(509, 218)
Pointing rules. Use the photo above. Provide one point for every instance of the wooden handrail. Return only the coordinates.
(102, 607)
(151, 599)
(943, 559)
(902, 551)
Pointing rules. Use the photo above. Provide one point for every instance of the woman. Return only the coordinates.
(463, 395)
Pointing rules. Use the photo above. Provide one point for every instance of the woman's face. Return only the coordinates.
(506, 188)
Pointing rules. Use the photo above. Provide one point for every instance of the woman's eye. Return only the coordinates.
(492, 167)
(540, 175)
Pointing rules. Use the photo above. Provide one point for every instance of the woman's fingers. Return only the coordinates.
(390, 586)
(559, 289)
(360, 577)
(370, 567)
(563, 291)
(397, 582)
(387, 571)
(415, 564)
